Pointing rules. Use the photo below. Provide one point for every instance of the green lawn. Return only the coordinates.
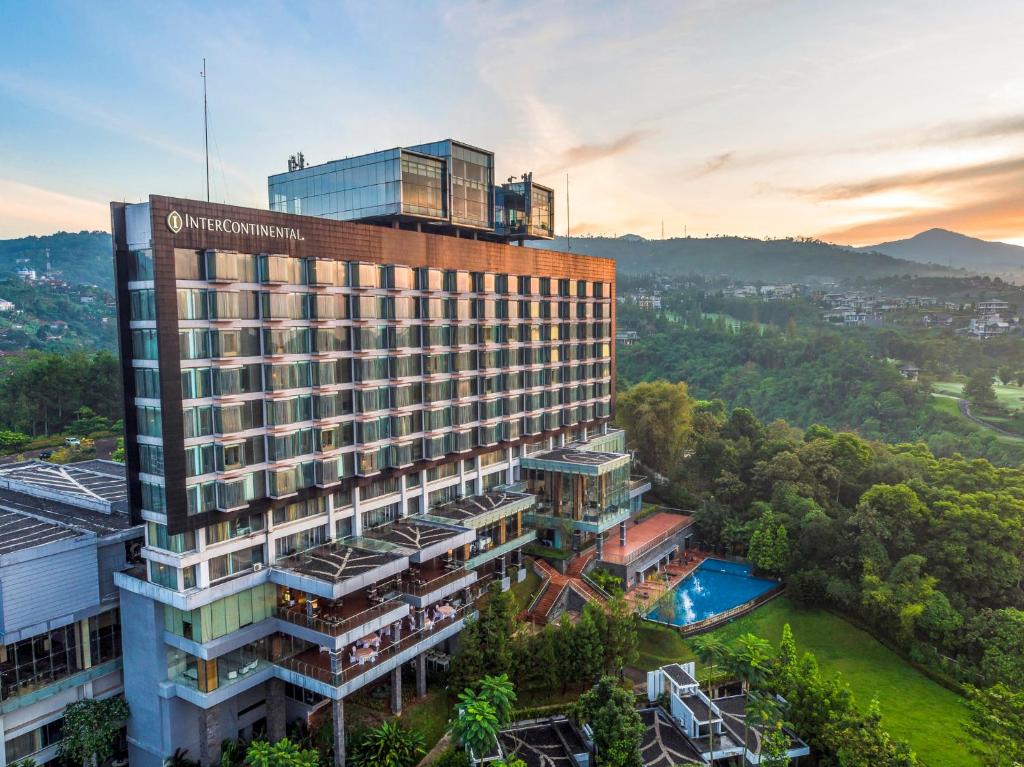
(524, 591)
(1010, 397)
(428, 717)
(914, 708)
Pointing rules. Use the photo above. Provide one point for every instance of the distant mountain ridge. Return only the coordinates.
(783, 260)
(946, 248)
(83, 258)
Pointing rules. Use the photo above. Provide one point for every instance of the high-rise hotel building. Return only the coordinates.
(338, 434)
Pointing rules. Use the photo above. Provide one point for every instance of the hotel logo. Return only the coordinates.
(176, 222)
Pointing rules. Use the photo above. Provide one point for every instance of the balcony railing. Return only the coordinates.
(347, 674)
(336, 628)
(421, 589)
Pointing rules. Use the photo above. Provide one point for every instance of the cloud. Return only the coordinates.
(716, 163)
(583, 154)
(918, 179)
(26, 210)
(997, 218)
(990, 127)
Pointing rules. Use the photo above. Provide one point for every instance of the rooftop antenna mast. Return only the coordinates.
(568, 230)
(206, 133)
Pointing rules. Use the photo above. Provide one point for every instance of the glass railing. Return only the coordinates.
(422, 588)
(347, 674)
(336, 628)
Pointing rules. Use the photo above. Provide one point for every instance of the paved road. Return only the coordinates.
(965, 411)
(104, 447)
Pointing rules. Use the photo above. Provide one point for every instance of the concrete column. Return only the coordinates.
(396, 631)
(421, 675)
(622, 533)
(338, 722)
(396, 691)
(210, 737)
(277, 725)
(501, 565)
(600, 545)
(420, 615)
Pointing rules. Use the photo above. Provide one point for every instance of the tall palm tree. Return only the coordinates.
(750, 662)
(712, 652)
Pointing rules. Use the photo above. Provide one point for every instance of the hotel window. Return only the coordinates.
(371, 369)
(193, 344)
(153, 497)
(332, 404)
(281, 412)
(244, 379)
(191, 304)
(371, 400)
(406, 395)
(188, 264)
(285, 341)
(22, 746)
(437, 391)
(328, 306)
(322, 271)
(435, 447)
(233, 305)
(464, 387)
(234, 563)
(369, 339)
(142, 303)
(238, 342)
(157, 538)
(147, 383)
(224, 531)
(144, 346)
(198, 460)
(331, 340)
(403, 337)
(333, 437)
(151, 458)
(140, 265)
(163, 575)
(293, 375)
(293, 512)
(283, 306)
(281, 269)
(365, 275)
(429, 279)
(301, 541)
(241, 416)
(381, 516)
(434, 335)
(281, 447)
(195, 383)
(442, 496)
(149, 421)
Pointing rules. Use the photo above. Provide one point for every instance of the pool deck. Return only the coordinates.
(644, 537)
(642, 597)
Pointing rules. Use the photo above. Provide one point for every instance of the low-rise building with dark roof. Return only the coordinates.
(64, 532)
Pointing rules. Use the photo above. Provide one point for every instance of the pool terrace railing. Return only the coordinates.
(726, 616)
(645, 549)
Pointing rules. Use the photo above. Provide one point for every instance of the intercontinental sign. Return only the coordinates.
(176, 222)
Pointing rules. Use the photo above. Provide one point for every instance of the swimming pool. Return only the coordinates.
(714, 587)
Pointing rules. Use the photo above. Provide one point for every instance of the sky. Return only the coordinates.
(856, 122)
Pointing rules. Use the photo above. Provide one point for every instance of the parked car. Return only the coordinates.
(72, 442)
(46, 454)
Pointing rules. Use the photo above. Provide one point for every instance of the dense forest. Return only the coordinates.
(928, 552)
(43, 393)
(818, 375)
(81, 257)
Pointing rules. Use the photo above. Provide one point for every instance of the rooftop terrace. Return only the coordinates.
(575, 461)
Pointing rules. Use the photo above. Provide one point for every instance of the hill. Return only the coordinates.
(786, 260)
(941, 246)
(82, 258)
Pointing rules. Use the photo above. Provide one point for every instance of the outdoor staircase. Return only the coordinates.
(556, 584)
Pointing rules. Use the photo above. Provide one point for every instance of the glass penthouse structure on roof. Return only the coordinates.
(446, 186)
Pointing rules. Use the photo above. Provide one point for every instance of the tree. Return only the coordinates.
(769, 544)
(712, 652)
(861, 742)
(1007, 374)
(749, 661)
(501, 694)
(997, 720)
(389, 745)
(13, 441)
(775, 747)
(621, 641)
(978, 390)
(618, 730)
(91, 728)
(657, 418)
(283, 753)
(477, 724)
(588, 648)
(763, 713)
